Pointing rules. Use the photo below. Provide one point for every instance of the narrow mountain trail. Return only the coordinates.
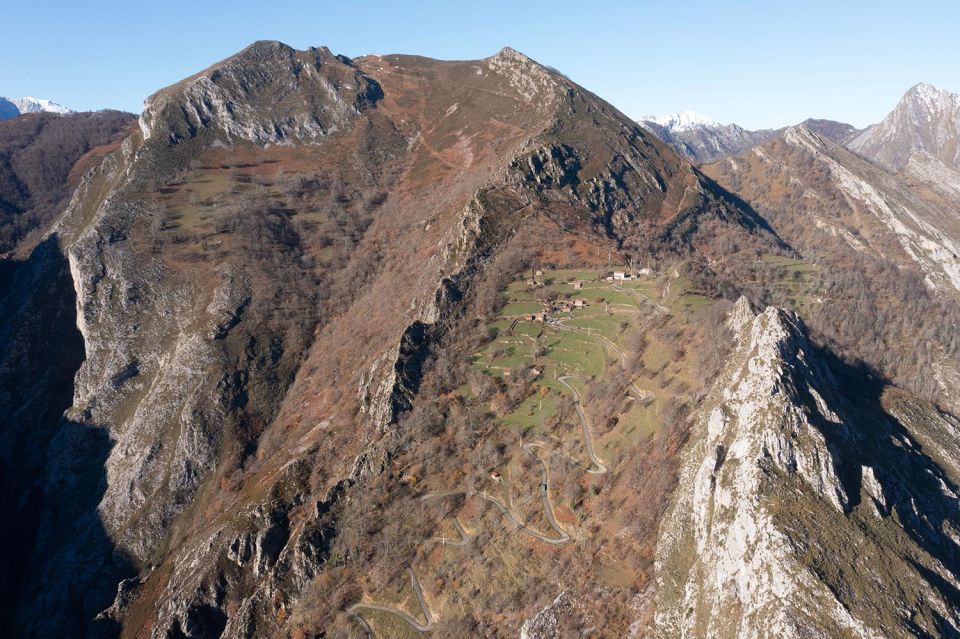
(465, 537)
(545, 492)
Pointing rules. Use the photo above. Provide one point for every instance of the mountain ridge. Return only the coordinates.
(838, 207)
(734, 547)
(702, 140)
(229, 247)
(392, 344)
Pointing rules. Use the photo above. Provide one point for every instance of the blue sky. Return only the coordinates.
(761, 64)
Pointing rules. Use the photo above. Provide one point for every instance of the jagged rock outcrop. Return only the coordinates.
(799, 511)
(268, 93)
(564, 617)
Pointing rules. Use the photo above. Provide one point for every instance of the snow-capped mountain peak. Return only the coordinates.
(700, 139)
(682, 121)
(36, 105)
(12, 107)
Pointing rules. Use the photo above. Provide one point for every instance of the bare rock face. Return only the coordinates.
(927, 120)
(929, 235)
(564, 617)
(268, 93)
(526, 76)
(786, 523)
(934, 174)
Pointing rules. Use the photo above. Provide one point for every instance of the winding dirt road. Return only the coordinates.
(421, 626)
(547, 506)
(616, 350)
(599, 468)
(562, 536)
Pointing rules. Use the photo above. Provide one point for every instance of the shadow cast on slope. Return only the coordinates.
(748, 216)
(51, 470)
(918, 513)
(914, 486)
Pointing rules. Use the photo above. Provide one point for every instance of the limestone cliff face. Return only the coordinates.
(148, 402)
(795, 513)
(268, 93)
(175, 373)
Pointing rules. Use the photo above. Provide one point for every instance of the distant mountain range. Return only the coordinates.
(12, 107)
(926, 120)
(702, 140)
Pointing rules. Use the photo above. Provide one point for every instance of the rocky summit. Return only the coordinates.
(390, 346)
(926, 120)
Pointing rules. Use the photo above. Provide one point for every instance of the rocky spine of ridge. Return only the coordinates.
(269, 93)
(800, 514)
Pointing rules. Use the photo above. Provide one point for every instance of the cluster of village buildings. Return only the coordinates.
(615, 276)
(567, 305)
(556, 306)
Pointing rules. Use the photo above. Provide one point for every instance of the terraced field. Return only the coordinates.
(557, 467)
(592, 343)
